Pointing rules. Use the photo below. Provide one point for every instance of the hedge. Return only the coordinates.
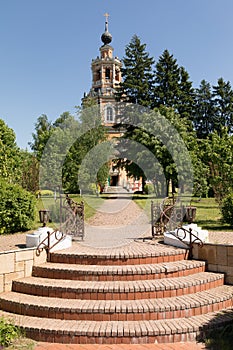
(17, 208)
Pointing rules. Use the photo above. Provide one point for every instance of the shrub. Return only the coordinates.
(227, 209)
(8, 332)
(44, 193)
(149, 188)
(17, 208)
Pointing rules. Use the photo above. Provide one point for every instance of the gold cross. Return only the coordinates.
(106, 15)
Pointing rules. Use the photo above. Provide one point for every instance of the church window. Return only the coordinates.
(109, 114)
(107, 73)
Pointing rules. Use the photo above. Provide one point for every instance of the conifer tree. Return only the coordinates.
(223, 104)
(186, 97)
(173, 87)
(204, 110)
(137, 73)
(167, 77)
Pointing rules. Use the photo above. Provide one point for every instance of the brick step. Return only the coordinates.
(118, 272)
(118, 290)
(116, 332)
(120, 310)
(133, 254)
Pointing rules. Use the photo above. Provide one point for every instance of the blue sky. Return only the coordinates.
(47, 47)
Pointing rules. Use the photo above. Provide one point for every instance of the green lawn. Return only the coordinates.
(91, 202)
(208, 214)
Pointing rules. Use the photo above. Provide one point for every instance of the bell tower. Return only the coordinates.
(106, 77)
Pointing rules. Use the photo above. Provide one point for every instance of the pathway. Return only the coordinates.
(117, 222)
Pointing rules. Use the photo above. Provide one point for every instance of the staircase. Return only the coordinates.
(145, 292)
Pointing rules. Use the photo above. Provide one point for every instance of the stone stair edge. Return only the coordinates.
(215, 295)
(164, 266)
(135, 250)
(161, 284)
(122, 328)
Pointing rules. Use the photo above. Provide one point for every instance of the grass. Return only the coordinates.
(91, 203)
(22, 343)
(12, 336)
(208, 214)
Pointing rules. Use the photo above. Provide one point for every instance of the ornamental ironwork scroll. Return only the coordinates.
(72, 217)
(166, 216)
(71, 223)
(187, 237)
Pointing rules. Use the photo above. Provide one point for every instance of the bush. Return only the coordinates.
(149, 188)
(227, 209)
(8, 332)
(44, 193)
(17, 208)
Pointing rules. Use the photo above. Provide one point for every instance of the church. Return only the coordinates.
(106, 78)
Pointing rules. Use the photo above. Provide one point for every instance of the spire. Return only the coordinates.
(106, 15)
(106, 36)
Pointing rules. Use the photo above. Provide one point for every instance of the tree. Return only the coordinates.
(203, 120)
(186, 98)
(43, 131)
(173, 87)
(29, 171)
(223, 104)
(167, 77)
(218, 157)
(172, 165)
(137, 85)
(90, 134)
(9, 154)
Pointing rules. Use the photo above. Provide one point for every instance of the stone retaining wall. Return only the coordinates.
(17, 264)
(219, 258)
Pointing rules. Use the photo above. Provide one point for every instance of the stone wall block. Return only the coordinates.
(7, 263)
(221, 254)
(28, 268)
(24, 255)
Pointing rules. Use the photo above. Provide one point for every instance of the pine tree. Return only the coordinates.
(173, 87)
(223, 104)
(167, 76)
(137, 74)
(204, 110)
(185, 106)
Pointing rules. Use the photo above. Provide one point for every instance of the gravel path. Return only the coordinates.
(117, 222)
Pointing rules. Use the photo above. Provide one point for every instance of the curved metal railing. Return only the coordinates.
(188, 242)
(71, 223)
(45, 244)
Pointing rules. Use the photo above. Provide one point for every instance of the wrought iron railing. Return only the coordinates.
(168, 216)
(71, 216)
(188, 238)
(46, 243)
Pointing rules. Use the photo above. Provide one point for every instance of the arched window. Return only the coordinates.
(107, 73)
(109, 114)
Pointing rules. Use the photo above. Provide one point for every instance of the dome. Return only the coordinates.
(106, 38)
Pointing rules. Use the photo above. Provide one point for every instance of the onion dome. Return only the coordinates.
(106, 37)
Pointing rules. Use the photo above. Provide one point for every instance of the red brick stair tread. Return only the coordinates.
(47, 284)
(122, 329)
(73, 271)
(136, 250)
(21, 303)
